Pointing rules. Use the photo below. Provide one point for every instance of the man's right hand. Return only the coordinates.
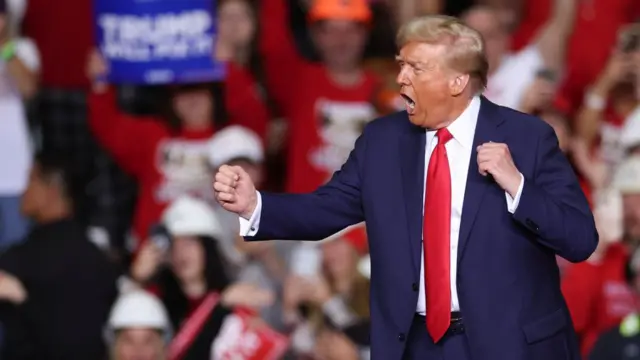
(235, 191)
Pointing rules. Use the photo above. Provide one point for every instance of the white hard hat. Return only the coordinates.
(188, 216)
(235, 142)
(630, 133)
(627, 176)
(138, 309)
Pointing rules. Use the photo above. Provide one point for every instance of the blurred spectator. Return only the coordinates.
(57, 286)
(64, 34)
(194, 277)
(167, 156)
(596, 291)
(235, 146)
(19, 67)
(630, 134)
(336, 299)
(623, 341)
(257, 263)
(627, 181)
(138, 328)
(612, 99)
(595, 32)
(236, 32)
(326, 104)
(524, 80)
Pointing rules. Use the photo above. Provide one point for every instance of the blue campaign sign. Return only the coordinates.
(158, 41)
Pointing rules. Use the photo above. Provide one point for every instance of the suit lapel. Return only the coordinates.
(412, 163)
(486, 130)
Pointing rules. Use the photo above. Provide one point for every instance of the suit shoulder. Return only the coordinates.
(394, 122)
(526, 123)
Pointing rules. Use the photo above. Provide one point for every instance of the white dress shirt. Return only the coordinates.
(459, 154)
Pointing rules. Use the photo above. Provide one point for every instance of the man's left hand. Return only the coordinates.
(495, 159)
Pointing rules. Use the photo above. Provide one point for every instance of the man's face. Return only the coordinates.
(139, 344)
(340, 42)
(37, 194)
(496, 38)
(631, 216)
(425, 83)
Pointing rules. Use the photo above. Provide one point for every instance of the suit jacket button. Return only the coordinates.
(401, 337)
(415, 287)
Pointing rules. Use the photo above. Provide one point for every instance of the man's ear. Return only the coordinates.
(458, 84)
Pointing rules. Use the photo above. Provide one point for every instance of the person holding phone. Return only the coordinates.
(612, 99)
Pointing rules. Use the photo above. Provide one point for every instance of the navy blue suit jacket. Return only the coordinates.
(508, 280)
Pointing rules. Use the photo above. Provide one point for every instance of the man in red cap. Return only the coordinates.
(326, 104)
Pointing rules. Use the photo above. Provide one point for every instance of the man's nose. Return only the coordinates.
(402, 78)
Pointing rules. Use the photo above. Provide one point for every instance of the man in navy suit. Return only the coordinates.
(466, 205)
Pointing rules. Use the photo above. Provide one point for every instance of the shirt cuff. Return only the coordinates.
(250, 227)
(512, 203)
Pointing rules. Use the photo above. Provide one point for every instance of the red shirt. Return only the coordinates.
(166, 164)
(63, 32)
(593, 39)
(597, 295)
(324, 117)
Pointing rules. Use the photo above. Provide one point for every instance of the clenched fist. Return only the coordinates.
(495, 159)
(235, 191)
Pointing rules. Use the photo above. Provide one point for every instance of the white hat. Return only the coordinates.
(235, 142)
(138, 309)
(627, 176)
(630, 133)
(188, 216)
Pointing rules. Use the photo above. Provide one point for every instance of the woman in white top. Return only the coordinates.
(19, 66)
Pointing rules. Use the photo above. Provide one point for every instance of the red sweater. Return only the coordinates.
(597, 295)
(165, 164)
(324, 117)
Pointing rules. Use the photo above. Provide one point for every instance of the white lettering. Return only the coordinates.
(160, 37)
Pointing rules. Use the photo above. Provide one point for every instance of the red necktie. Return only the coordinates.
(436, 237)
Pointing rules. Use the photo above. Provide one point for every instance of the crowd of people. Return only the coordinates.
(111, 243)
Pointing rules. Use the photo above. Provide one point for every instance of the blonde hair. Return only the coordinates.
(465, 52)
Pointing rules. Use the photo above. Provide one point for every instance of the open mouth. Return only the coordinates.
(409, 102)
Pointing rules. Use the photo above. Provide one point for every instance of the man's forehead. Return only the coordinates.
(420, 52)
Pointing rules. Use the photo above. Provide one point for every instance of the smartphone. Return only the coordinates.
(306, 260)
(159, 235)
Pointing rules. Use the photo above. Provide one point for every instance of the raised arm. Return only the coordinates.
(130, 140)
(280, 57)
(312, 216)
(554, 208)
(552, 39)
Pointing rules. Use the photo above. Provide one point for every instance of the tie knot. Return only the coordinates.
(443, 136)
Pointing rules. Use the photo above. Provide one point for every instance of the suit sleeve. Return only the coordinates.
(316, 215)
(553, 206)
